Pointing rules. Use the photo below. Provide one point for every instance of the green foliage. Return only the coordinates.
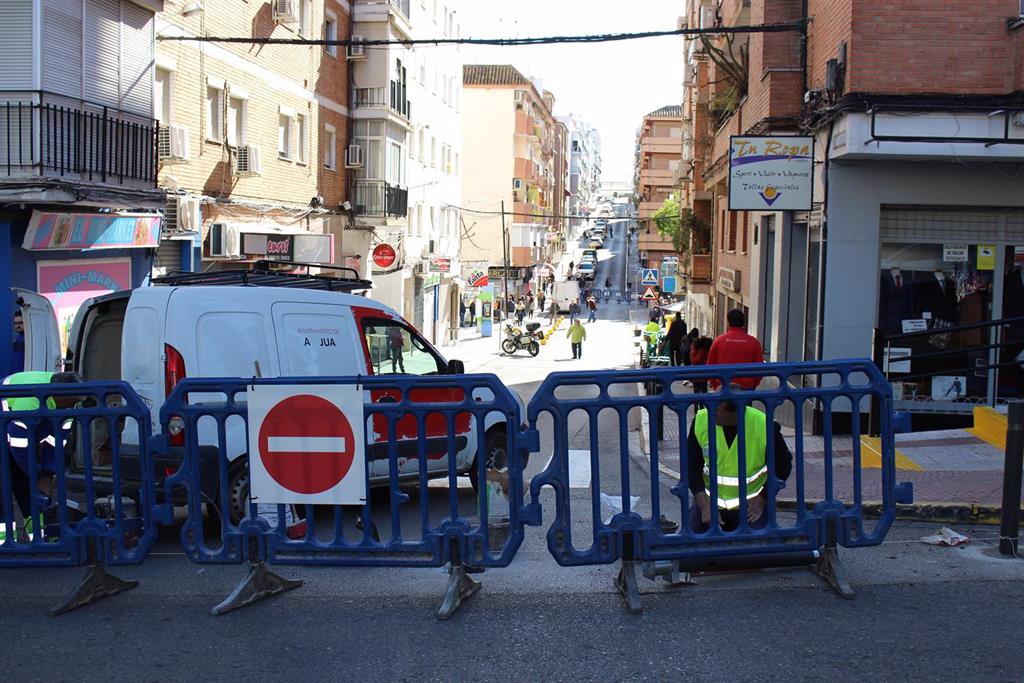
(667, 218)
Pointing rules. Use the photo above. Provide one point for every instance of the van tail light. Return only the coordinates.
(174, 372)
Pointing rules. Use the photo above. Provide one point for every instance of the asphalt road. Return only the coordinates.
(921, 613)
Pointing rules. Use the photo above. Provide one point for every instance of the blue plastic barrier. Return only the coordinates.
(411, 416)
(819, 524)
(83, 521)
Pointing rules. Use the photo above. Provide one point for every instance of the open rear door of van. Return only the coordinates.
(42, 337)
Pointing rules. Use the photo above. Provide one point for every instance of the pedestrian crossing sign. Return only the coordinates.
(649, 276)
(649, 294)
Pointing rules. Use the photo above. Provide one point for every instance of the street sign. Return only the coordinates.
(649, 294)
(649, 276)
(668, 284)
(307, 444)
(384, 255)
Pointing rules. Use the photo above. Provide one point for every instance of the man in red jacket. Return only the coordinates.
(735, 347)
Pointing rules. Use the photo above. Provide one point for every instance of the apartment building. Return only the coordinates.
(558, 235)
(252, 137)
(79, 206)
(410, 187)
(658, 160)
(584, 167)
(509, 141)
(917, 214)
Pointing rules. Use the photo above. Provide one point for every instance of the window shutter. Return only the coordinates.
(62, 47)
(16, 45)
(101, 39)
(136, 59)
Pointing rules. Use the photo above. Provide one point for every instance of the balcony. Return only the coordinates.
(45, 135)
(378, 198)
(697, 270)
(378, 10)
(393, 98)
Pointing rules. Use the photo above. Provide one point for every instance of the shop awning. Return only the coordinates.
(49, 231)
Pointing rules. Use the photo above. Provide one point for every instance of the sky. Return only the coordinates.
(609, 85)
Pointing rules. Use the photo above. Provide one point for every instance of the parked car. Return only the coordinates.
(206, 325)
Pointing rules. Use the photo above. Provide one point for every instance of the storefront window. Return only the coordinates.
(927, 288)
(1011, 358)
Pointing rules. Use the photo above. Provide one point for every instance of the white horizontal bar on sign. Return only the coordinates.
(306, 444)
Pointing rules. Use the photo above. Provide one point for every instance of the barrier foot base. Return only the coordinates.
(95, 585)
(258, 584)
(668, 570)
(625, 581)
(831, 571)
(460, 587)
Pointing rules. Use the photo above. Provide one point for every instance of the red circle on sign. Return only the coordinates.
(384, 255)
(306, 444)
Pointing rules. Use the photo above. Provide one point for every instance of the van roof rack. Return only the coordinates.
(262, 276)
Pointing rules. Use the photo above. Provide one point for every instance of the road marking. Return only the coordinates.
(579, 468)
(306, 444)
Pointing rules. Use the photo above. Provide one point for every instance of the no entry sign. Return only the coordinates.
(307, 444)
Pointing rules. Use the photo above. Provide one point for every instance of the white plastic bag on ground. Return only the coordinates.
(614, 505)
(946, 536)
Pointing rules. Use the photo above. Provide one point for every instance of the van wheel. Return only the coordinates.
(238, 489)
(496, 449)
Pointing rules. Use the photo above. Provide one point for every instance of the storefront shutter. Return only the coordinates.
(62, 47)
(16, 45)
(168, 256)
(952, 226)
(137, 60)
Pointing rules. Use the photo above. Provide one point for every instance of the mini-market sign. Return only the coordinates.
(771, 173)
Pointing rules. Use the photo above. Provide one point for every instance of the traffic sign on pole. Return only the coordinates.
(649, 276)
(649, 293)
(307, 444)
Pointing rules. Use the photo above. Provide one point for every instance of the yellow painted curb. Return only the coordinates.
(871, 456)
(990, 427)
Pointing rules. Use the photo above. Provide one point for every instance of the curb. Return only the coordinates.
(936, 511)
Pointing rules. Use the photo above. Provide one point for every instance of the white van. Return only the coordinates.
(186, 326)
(564, 293)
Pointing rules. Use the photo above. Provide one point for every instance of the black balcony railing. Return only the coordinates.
(80, 140)
(378, 198)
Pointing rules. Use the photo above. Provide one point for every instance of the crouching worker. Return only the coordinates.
(24, 437)
(728, 462)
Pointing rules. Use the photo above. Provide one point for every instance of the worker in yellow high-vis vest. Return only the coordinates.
(728, 476)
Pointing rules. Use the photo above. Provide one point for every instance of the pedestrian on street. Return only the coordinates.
(756, 434)
(577, 334)
(396, 345)
(521, 310)
(675, 336)
(688, 344)
(736, 346)
(540, 302)
(699, 356)
(18, 345)
(574, 310)
(592, 305)
(462, 313)
(529, 302)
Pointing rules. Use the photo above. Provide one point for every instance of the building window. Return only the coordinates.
(162, 96)
(421, 146)
(214, 113)
(419, 219)
(330, 147)
(456, 163)
(433, 152)
(331, 33)
(732, 230)
(396, 167)
(301, 127)
(236, 121)
(305, 12)
(284, 136)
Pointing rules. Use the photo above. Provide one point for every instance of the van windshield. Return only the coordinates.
(395, 349)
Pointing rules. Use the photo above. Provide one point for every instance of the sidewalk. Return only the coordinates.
(956, 476)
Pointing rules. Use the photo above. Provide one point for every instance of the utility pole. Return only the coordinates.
(504, 271)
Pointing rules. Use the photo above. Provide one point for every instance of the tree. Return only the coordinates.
(667, 219)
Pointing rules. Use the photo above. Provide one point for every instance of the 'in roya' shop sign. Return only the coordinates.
(771, 173)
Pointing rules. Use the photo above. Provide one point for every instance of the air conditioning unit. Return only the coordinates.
(189, 215)
(286, 10)
(247, 161)
(354, 157)
(356, 51)
(225, 241)
(517, 184)
(172, 143)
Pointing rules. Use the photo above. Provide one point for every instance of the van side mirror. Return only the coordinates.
(456, 367)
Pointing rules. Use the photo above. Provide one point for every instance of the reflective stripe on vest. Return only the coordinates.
(727, 474)
(26, 403)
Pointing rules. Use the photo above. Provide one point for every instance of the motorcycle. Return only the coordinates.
(518, 338)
